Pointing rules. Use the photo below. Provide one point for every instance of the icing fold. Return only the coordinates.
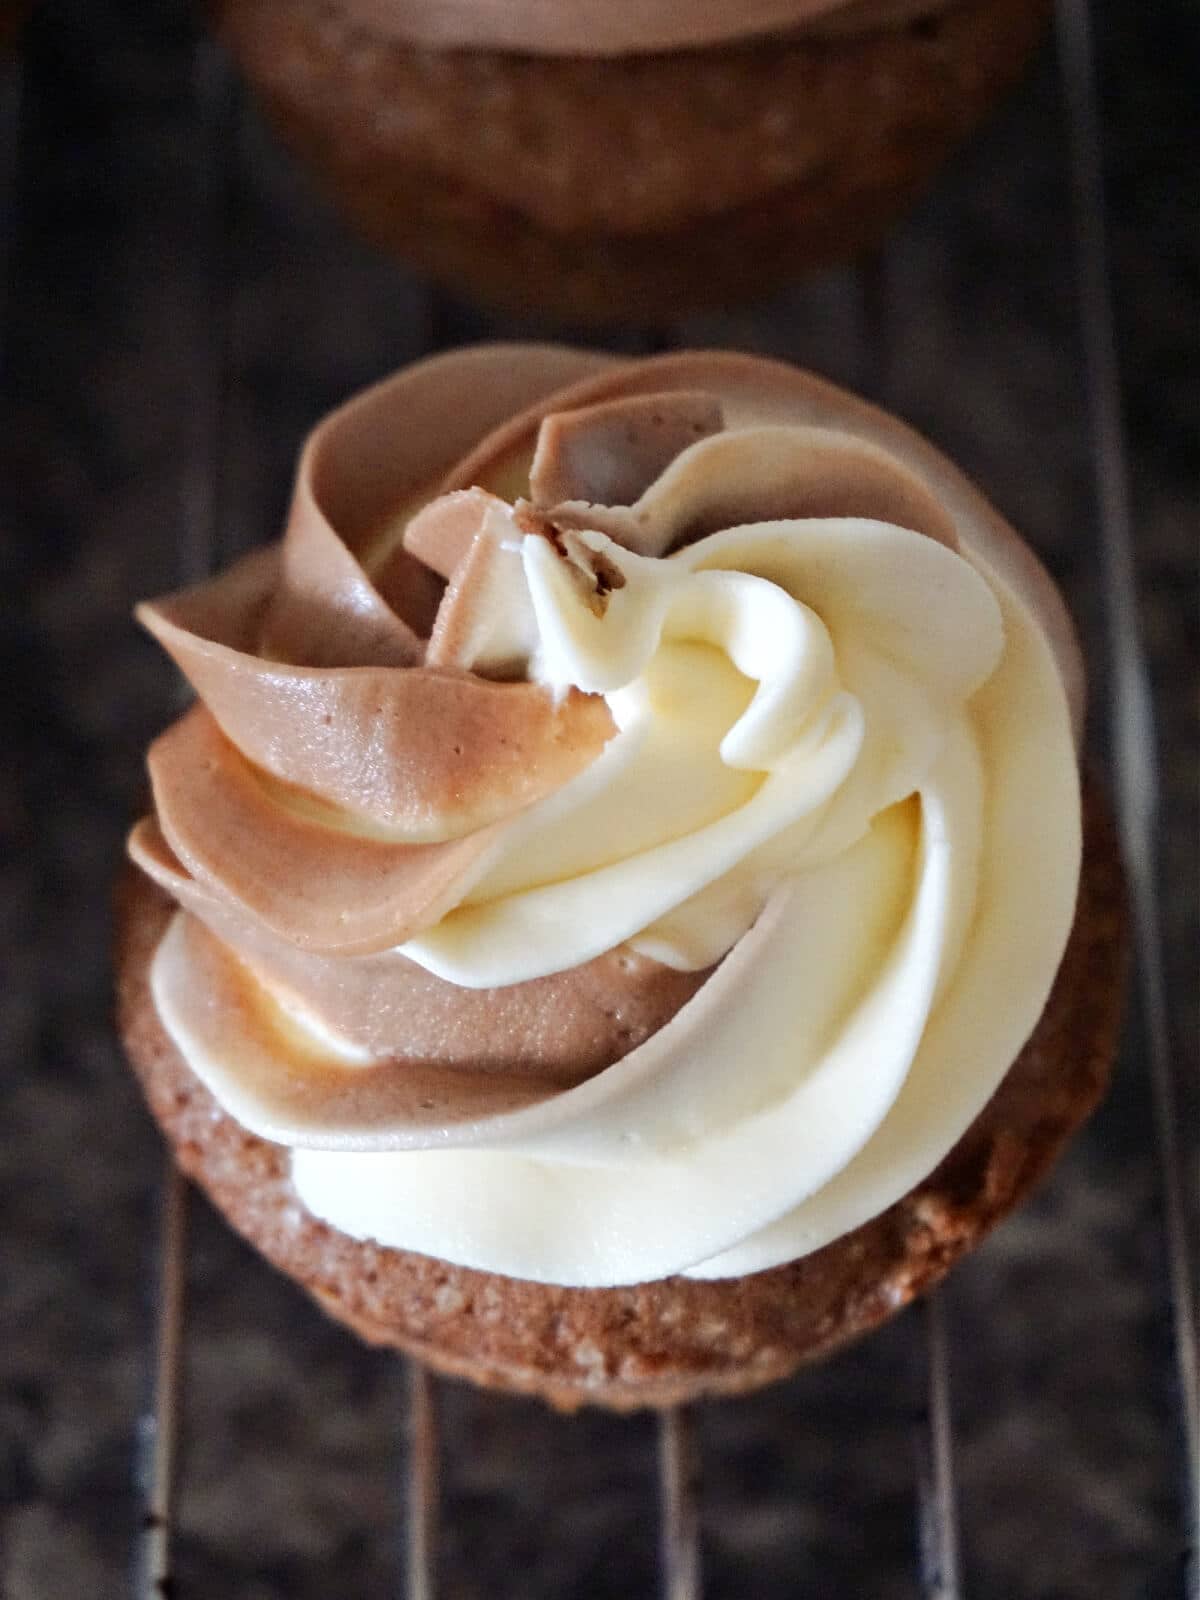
(630, 825)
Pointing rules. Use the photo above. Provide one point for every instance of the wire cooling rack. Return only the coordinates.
(1130, 729)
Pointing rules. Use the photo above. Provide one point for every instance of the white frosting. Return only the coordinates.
(740, 720)
(844, 755)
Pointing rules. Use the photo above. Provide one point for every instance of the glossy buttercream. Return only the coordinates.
(629, 826)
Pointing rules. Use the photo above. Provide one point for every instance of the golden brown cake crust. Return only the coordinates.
(659, 1343)
(636, 189)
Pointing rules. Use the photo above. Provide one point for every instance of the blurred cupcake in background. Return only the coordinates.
(626, 160)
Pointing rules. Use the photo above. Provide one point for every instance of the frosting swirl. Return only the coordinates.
(669, 889)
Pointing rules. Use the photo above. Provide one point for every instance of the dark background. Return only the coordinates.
(172, 296)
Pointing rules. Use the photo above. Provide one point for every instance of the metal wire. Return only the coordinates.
(215, 101)
(936, 1497)
(158, 1442)
(679, 1504)
(215, 96)
(422, 1490)
(1134, 745)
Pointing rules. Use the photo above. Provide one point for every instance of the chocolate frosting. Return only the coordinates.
(461, 1052)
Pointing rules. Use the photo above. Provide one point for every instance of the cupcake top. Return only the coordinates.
(629, 825)
(619, 27)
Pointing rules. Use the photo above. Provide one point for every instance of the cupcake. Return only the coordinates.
(619, 919)
(624, 162)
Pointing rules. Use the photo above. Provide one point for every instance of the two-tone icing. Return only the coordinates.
(643, 851)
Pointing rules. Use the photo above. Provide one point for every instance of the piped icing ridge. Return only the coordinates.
(653, 896)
